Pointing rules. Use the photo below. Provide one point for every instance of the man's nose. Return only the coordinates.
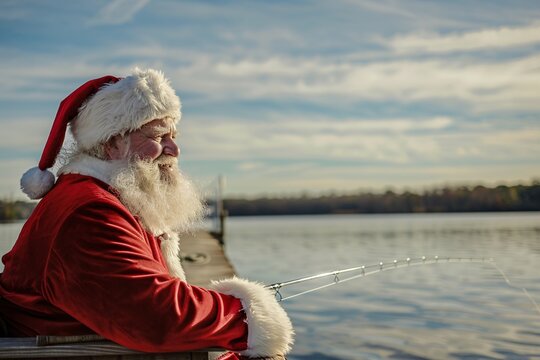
(171, 148)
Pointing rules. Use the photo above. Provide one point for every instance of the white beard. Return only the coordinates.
(164, 200)
(159, 194)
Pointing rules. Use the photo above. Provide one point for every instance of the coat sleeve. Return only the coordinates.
(101, 271)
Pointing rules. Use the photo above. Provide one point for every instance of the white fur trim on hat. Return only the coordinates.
(270, 331)
(36, 182)
(125, 106)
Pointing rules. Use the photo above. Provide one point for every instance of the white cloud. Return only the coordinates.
(250, 166)
(494, 38)
(387, 8)
(25, 134)
(118, 12)
(367, 177)
(387, 141)
(394, 125)
(482, 85)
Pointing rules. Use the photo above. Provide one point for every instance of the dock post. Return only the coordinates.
(220, 211)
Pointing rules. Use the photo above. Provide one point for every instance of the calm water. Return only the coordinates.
(443, 311)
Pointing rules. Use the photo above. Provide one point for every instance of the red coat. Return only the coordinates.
(84, 264)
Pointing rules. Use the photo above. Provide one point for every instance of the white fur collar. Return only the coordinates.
(170, 248)
(91, 166)
(103, 170)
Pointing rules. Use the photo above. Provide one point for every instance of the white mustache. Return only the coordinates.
(165, 160)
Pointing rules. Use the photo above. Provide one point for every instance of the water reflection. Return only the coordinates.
(441, 311)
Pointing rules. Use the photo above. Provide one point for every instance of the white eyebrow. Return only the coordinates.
(164, 129)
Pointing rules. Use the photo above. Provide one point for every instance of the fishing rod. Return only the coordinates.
(366, 270)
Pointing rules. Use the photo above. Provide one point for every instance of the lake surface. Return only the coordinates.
(438, 311)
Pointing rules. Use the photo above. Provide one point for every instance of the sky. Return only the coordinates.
(290, 97)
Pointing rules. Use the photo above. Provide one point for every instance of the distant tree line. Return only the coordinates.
(457, 199)
(15, 210)
(448, 199)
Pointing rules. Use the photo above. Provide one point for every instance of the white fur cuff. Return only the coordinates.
(270, 331)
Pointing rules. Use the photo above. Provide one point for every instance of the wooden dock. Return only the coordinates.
(203, 259)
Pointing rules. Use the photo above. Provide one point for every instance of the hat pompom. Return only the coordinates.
(36, 182)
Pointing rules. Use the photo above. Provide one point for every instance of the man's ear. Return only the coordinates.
(113, 149)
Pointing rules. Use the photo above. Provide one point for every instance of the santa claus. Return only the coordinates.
(99, 254)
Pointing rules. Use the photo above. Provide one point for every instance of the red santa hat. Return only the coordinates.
(99, 110)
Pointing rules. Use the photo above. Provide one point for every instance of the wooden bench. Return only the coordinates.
(27, 348)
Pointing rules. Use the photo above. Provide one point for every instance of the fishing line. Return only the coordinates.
(509, 283)
(381, 266)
